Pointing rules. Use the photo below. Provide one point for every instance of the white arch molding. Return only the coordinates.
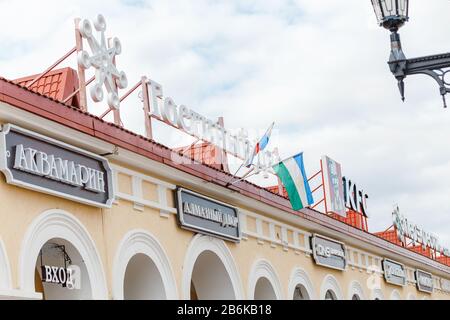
(5, 270)
(56, 223)
(142, 242)
(377, 294)
(200, 244)
(330, 283)
(412, 296)
(355, 288)
(263, 269)
(300, 277)
(395, 295)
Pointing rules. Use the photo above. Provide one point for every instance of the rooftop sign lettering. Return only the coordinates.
(406, 229)
(202, 128)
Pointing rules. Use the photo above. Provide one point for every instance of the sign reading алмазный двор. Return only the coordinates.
(43, 164)
(204, 215)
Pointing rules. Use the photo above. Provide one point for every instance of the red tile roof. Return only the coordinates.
(389, 235)
(275, 189)
(205, 153)
(353, 218)
(57, 84)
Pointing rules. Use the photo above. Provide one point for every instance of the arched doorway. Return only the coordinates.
(209, 271)
(395, 295)
(141, 269)
(5, 271)
(210, 280)
(142, 280)
(300, 286)
(377, 294)
(330, 295)
(51, 234)
(300, 293)
(355, 291)
(264, 290)
(61, 273)
(263, 283)
(330, 289)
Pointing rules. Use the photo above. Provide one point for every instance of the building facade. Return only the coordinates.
(93, 211)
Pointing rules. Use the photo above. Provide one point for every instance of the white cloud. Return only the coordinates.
(318, 68)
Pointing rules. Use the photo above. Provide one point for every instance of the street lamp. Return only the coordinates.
(392, 15)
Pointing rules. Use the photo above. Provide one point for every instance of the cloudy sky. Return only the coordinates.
(316, 68)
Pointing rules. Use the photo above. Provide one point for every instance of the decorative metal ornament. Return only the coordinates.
(103, 60)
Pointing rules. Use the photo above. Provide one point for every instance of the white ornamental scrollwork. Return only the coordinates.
(102, 59)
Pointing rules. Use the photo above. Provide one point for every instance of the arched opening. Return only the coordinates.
(330, 289)
(355, 291)
(377, 294)
(142, 280)
(61, 273)
(395, 295)
(330, 295)
(5, 271)
(141, 269)
(209, 271)
(300, 286)
(264, 283)
(300, 293)
(264, 290)
(411, 296)
(210, 279)
(57, 228)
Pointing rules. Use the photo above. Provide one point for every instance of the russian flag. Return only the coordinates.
(261, 145)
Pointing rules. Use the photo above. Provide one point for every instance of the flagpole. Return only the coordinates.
(240, 167)
(245, 176)
(234, 175)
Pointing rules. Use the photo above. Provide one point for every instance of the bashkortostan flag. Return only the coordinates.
(292, 174)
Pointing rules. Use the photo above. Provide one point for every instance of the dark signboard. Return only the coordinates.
(43, 164)
(394, 272)
(328, 252)
(424, 281)
(204, 215)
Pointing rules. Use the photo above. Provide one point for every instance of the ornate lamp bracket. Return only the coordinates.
(436, 66)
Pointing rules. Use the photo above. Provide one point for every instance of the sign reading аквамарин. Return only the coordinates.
(43, 164)
(205, 215)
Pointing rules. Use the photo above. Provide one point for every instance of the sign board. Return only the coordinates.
(406, 229)
(205, 215)
(59, 275)
(334, 188)
(424, 281)
(394, 272)
(33, 161)
(445, 285)
(328, 252)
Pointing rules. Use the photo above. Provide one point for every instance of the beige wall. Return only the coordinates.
(108, 227)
